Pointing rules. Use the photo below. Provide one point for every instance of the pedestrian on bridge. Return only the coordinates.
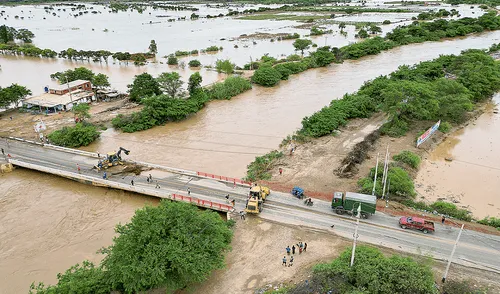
(78, 168)
(132, 182)
(242, 215)
(105, 176)
(150, 178)
(3, 152)
(189, 191)
(157, 185)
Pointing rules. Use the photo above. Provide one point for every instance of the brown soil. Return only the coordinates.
(22, 124)
(255, 261)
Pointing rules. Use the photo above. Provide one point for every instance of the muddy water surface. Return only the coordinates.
(473, 177)
(52, 223)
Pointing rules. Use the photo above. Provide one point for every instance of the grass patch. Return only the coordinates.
(409, 158)
(260, 167)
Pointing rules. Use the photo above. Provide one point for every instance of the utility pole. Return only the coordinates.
(355, 235)
(387, 196)
(386, 169)
(375, 179)
(70, 97)
(251, 63)
(451, 255)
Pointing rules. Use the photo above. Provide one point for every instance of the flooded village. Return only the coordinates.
(223, 114)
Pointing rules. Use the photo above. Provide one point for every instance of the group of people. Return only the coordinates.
(300, 247)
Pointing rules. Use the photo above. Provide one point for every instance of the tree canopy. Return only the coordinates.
(302, 44)
(171, 245)
(81, 111)
(170, 83)
(82, 134)
(194, 83)
(13, 94)
(153, 48)
(144, 85)
(100, 81)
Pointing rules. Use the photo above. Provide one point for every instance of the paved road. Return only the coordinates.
(474, 249)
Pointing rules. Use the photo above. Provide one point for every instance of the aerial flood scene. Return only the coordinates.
(253, 146)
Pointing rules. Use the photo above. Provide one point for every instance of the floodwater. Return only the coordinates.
(49, 224)
(473, 177)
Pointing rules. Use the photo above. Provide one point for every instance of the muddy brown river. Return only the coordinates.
(49, 224)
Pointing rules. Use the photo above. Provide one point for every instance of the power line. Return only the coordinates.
(477, 164)
(209, 142)
(245, 134)
(189, 148)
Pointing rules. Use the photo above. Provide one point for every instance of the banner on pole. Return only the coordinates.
(428, 133)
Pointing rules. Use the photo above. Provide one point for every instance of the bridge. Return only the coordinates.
(474, 250)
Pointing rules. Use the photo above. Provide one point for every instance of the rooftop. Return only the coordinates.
(51, 100)
(71, 85)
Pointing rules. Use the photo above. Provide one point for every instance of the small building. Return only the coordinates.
(70, 87)
(51, 103)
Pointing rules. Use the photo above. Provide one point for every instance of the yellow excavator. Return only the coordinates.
(256, 199)
(111, 159)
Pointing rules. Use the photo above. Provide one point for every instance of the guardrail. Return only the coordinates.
(224, 179)
(121, 186)
(229, 180)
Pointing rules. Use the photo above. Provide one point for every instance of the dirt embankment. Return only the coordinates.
(22, 124)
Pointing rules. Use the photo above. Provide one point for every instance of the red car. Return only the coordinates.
(417, 223)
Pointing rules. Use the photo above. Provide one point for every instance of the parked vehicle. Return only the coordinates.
(350, 202)
(298, 192)
(416, 223)
(257, 196)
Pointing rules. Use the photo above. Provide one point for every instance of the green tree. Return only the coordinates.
(171, 245)
(266, 76)
(224, 66)
(302, 44)
(7, 34)
(25, 35)
(363, 34)
(372, 272)
(342, 26)
(172, 60)
(82, 134)
(13, 94)
(100, 81)
(194, 83)
(170, 83)
(153, 48)
(194, 63)
(79, 73)
(81, 111)
(144, 85)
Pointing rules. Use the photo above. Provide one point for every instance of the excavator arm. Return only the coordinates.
(120, 151)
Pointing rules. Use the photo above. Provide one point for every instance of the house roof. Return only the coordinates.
(51, 100)
(71, 85)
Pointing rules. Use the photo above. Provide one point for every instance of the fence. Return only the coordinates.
(201, 202)
(223, 178)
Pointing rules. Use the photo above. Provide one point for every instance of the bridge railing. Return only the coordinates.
(121, 186)
(223, 178)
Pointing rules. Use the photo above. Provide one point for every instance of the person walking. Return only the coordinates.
(132, 182)
(105, 176)
(3, 152)
(78, 168)
(150, 178)
(242, 215)
(189, 191)
(284, 260)
(233, 202)
(157, 185)
(290, 263)
(288, 250)
(305, 247)
(147, 179)
(281, 171)
(442, 220)
(293, 249)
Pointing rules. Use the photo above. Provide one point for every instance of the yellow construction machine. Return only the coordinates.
(111, 159)
(256, 199)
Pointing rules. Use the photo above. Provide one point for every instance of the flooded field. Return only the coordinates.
(60, 223)
(472, 179)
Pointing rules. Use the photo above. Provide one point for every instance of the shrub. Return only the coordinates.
(194, 63)
(451, 210)
(82, 134)
(181, 53)
(386, 22)
(445, 127)
(401, 184)
(260, 167)
(193, 52)
(395, 128)
(213, 49)
(408, 157)
(172, 60)
(231, 87)
(296, 57)
(283, 70)
(224, 66)
(490, 221)
(421, 205)
(266, 76)
(460, 287)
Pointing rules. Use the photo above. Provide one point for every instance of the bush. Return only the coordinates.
(296, 57)
(231, 87)
(451, 210)
(260, 167)
(386, 22)
(401, 184)
(490, 221)
(421, 205)
(224, 66)
(460, 287)
(213, 49)
(283, 70)
(172, 60)
(181, 53)
(194, 63)
(408, 158)
(395, 128)
(82, 134)
(372, 272)
(445, 127)
(266, 76)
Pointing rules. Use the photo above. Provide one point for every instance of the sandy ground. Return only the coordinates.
(22, 124)
(255, 261)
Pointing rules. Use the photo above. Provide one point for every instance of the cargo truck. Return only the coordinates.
(349, 203)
